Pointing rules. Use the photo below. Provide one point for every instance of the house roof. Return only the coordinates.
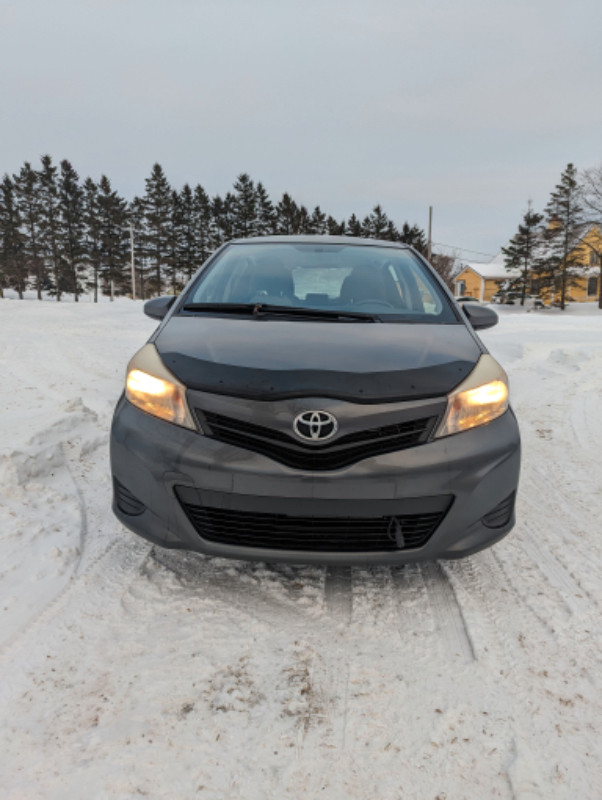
(492, 270)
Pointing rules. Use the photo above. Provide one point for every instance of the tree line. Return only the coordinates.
(59, 234)
(550, 249)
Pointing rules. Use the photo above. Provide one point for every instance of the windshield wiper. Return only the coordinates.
(259, 309)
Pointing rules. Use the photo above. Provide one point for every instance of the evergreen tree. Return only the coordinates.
(50, 225)
(157, 214)
(203, 218)
(354, 226)
(413, 236)
(565, 219)
(27, 192)
(175, 259)
(223, 219)
(266, 215)
(303, 223)
(319, 225)
(114, 237)
(335, 228)
(92, 227)
(188, 257)
(287, 213)
(136, 217)
(71, 227)
(244, 208)
(522, 251)
(376, 224)
(12, 245)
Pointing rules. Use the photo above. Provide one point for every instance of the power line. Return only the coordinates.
(464, 249)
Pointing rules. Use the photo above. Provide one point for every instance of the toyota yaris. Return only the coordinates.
(316, 399)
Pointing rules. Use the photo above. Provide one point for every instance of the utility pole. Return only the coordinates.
(133, 265)
(429, 246)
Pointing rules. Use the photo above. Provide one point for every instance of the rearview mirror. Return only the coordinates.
(480, 317)
(158, 307)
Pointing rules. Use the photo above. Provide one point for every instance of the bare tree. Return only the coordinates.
(591, 181)
(445, 266)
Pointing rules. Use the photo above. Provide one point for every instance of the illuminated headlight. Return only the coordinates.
(479, 399)
(152, 388)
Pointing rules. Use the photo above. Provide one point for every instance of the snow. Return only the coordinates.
(494, 269)
(129, 672)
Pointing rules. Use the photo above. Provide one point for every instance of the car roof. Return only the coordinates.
(316, 239)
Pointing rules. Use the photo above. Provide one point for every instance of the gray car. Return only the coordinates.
(316, 399)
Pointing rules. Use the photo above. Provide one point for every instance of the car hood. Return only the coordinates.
(271, 359)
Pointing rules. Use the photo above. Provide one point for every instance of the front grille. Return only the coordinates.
(318, 534)
(341, 452)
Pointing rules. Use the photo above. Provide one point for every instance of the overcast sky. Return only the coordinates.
(472, 106)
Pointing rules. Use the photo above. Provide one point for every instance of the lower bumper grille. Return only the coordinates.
(318, 534)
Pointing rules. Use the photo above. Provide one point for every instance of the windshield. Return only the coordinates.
(385, 281)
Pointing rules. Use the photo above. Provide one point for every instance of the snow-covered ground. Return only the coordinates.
(130, 674)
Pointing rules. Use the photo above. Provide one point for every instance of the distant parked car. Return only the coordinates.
(465, 298)
(316, 399)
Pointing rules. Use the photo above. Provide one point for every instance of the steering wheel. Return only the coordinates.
(372, 302)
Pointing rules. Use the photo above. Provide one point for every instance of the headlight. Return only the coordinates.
(151, 387)
(479, 399)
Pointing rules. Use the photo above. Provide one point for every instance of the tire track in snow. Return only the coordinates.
(451, 626)
(128, 558)
(338, 593)
(500, 626)
(338, 597)
(571, 593)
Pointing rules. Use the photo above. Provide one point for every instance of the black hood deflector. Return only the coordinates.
(275, 360)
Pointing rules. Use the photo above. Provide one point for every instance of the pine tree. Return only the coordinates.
(376, 224)
(287, 213)
(319, 225)
(522, 251)
(303, 223)
(27, 192)
(354, 226)
(244, 207)
(565, 219)
(413, 236)
(223, 219)
(114, 235)
(335, 228)
(267, 221)
(188, 247)
(92, 228)
(71, 227)
(136, 218)
(175, 244)
(203, 224)
(12, 245)
(157, 212)
(50, 225)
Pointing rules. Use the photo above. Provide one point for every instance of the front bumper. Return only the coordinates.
(477, 470)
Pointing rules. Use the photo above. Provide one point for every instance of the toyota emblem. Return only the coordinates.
(315, 426)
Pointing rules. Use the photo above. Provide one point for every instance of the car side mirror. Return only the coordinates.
(158, 307)
(480, 317)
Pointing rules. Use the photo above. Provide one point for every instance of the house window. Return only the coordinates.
(592, 287)
(534, 289)
(460, 288)
(594, 258)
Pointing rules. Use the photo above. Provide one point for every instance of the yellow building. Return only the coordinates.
(484, 280)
